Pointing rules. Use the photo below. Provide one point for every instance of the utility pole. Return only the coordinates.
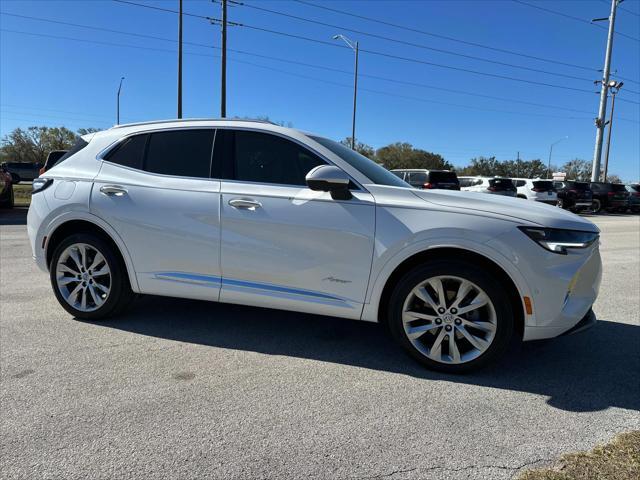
(180, 62)
(604, 90)
(118, 103)
(223, 66)
(615, 87)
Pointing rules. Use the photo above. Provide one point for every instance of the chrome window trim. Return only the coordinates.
(105, 151)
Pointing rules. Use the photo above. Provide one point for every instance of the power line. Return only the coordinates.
(403, 42)
(382, 54)
(445, 37)
(279, 59)
(578, 19)
(321, 80)
(621, 8)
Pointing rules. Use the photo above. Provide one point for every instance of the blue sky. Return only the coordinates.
(63, 81)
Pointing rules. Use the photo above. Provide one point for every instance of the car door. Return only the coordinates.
(155, 190)
(284, 245)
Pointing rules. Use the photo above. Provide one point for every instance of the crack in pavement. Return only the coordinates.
(515, 469)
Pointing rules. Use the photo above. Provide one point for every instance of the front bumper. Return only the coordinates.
(588, 321)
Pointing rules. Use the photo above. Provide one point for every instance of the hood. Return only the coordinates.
(512, 207)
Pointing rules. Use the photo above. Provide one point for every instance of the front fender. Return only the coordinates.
(394, 247)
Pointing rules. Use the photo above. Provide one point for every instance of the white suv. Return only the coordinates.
(537, 190)
(257, 214)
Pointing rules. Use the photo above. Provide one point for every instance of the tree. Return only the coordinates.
(489, 166)
(614, 179)
(578, 169)
(34, 144)
(485, 166)
(362, 148)
(403, 155)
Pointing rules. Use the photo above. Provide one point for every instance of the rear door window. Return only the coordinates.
(618, 187)
(183, 153)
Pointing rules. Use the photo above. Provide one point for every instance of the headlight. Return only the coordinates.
(558, 241)
(40, 184)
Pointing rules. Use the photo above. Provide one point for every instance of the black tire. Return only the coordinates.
(120, 294)
(477, 275)
(596, 206)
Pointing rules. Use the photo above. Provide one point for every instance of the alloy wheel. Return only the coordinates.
(449, 319)
(83, 277)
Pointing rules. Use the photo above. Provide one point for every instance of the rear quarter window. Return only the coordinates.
(79, 145)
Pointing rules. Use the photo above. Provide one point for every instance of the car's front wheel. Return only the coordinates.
(451, 316)
(89, 278)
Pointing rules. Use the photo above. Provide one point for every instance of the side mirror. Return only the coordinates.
(327, 178)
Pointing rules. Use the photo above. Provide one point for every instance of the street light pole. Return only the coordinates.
(604, 90)
(118, 102)
(355, 46)
(615, 87)
(550, 152)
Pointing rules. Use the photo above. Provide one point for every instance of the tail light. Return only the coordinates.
(611, 194)
(428, 185)
(492, 189)
(636, 194)
(41, 171)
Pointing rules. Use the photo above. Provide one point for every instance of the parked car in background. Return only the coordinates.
(572, 195)
(612, 197)
(6, 189)
(23, 171)
(274, 217)
(52, 159)
(494, 185)
(438, 179)
(634, 197)
(537, 189)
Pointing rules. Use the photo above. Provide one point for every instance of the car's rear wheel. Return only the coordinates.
(451, 316)
(596, 206)
(89, 278)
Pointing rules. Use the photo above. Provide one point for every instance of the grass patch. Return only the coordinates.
(22, 194)
(616, 460)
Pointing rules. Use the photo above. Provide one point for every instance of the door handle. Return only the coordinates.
(113, 190)
(245, 203)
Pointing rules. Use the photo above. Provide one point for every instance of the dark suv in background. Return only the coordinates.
(418, 178)
(612, 197)
(634, 197)
(574, 196)
(23, 171)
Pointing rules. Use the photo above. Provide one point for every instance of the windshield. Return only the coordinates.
(370, 169)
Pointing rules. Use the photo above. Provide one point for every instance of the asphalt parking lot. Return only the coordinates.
(187, 389)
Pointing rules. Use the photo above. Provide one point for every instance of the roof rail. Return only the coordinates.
(154, 122)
